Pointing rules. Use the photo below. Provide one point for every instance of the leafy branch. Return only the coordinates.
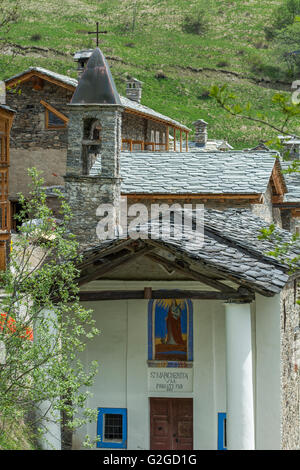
(228, 101)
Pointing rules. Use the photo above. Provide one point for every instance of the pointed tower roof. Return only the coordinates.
(96, 85)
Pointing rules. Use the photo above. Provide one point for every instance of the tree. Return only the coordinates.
(43, 327)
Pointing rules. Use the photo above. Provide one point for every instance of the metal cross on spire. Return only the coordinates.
(97, 32)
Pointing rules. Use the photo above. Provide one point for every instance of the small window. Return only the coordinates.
(222, 434)
(54, 121)
(112, 428)
(157, 137)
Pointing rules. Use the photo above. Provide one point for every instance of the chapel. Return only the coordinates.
(200, 322)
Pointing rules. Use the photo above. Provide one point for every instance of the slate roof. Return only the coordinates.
(96, 85)
(194, 173)
(134, 106)
(127, 103)
(231, 248)
(293, 184)
(57, 76)
(210, 146)
(7, 108)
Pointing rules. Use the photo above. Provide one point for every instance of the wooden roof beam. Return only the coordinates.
(34, 73)
(253, 198)
(185, 268)
(55, 111)
(110, 265)
(238, 296)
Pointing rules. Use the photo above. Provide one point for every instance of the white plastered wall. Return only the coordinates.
(122, 349)
(122, 381)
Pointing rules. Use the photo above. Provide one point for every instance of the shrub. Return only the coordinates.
(222, 63)
(36, 37)
(204, 95)
(195, 23)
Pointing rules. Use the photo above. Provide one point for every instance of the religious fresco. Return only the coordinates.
(170, 323)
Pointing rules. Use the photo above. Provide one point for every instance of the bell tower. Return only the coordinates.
(94, 141)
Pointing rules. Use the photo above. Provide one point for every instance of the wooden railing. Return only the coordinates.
(133, 145)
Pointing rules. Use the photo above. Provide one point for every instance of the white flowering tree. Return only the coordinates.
(43, 327)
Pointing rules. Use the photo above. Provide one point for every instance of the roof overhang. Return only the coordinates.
(31, 74)
(221, 260)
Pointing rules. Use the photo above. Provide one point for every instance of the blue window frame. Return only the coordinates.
(222, 441)
(112, 428)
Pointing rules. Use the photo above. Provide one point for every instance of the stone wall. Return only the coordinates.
(29, 130)
(266, 210)
(84, 195)
(290, 386)
(138, 128)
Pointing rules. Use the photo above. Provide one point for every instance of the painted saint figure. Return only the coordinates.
(173, 319)
(171, 327)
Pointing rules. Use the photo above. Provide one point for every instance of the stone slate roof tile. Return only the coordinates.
(7, 108)
(231, 247)
(194, 173)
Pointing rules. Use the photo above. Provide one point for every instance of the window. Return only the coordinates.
(54, 119)
(222, 438)
(112, 428)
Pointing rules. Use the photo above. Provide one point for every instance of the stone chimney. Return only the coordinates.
(82, 57)
(200, 132)
(134, 90)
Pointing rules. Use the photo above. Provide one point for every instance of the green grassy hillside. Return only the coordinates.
(146, 37)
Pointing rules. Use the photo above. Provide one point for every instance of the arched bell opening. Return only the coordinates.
(91, 144)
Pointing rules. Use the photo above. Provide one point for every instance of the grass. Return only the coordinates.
(234, 42)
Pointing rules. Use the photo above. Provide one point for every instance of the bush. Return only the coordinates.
(222, 63)
(195, 23)
(284, 16)
(204, 95)
(36, 37)
(256, 64)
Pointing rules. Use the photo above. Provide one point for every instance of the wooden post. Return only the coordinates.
(148, 293)
(6, 118)
(187, 141)
(174, 139)
(180, 140)
(167, 139)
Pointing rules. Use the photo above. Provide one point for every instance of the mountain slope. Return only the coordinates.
(144, 38)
